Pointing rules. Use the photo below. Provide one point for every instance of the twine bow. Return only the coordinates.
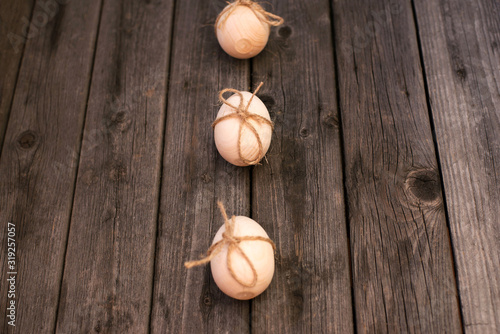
(241, 112)
(266, 17)
(233, 242)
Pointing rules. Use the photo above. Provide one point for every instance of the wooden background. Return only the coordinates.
(381, 187)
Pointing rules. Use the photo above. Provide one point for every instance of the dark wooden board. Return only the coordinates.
(39, 160)
(194, 177)
(106, 148)
(14, 19)
(402, 260)
(461, 53)
(108, 276)
(298, 194)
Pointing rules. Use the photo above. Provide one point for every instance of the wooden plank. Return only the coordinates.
(461, 52)
(298, 193)
(194, 177)
(402, 261)
(14, 18)
(38, 166)
(111, 243)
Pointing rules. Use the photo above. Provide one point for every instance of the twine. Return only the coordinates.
(266, 17)
(233, 242)
(242, 113)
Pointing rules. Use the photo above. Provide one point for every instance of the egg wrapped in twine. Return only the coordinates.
(241, 257)
(243, 27)
(243, 128)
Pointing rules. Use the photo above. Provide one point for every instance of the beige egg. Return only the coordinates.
(226, 132)
(242, 32)
(259, 252)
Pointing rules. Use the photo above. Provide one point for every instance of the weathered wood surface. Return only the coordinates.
(402, 261)
(297, 194)
(39, 161)
(461, 53)
(14, 22)
(194, 177)
(353, 191)
(111, 244)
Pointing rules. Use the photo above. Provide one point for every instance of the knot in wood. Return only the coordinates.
(331, 121)
(285, 31)
(117, 171)
(206, 178)
(119, 120)
(207, 300)
(424, 186)
(27, 139)
(462, 73)
(304, 133)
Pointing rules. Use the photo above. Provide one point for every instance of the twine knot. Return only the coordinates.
(230, 238)
(241, 112)
(266, 17)
(232, 241)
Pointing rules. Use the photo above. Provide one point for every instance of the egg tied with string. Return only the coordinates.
(241, 257)
(243, 128)
(243, 28)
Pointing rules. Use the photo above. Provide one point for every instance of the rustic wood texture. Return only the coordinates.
(298, 194)
(14, 19)
(402, 262)
(111, 243)
(194, 177)
(39, 160)
(380, 188)
(461, 53)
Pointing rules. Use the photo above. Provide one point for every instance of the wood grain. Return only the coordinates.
(39, 160)
(107, 149)
(297, 193)
(14, 18)
(402, 261)
(461, 53)
(194, 177)
(108, 275)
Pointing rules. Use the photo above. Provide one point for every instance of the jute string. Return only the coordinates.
(266, 17)
(241, 112)
(233, 243)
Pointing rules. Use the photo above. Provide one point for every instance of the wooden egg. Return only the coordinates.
(226, 132)
(242, 32)
(260, 253)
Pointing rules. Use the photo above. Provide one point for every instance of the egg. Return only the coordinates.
(243, 27)
(259, 253)
(243, 149)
